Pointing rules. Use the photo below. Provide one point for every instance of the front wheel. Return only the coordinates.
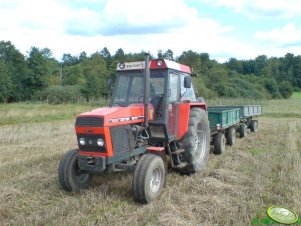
(71, 177)
(149, 178)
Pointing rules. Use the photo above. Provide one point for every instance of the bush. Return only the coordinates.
(59, 94)
(201, 90)
(271, 85)
(243, 88)
(285, 89)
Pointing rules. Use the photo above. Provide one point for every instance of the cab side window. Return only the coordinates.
(186, 94)
(173, 87)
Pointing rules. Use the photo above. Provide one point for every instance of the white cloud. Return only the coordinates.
(261, 8)
(76, 26)
(132, 17)
(287, 35)
(43, 24)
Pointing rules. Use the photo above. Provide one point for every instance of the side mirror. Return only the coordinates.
(187, 82)
(110, 83)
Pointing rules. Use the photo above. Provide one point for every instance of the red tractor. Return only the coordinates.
(153, 123)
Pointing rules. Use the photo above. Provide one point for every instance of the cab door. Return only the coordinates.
(174, 95)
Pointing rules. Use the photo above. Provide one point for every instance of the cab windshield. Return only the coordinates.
(129, 88)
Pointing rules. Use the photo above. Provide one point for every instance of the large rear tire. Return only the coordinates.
(149, 178)
(196, 142)
(70, 176)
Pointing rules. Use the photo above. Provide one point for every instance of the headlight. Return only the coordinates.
(82, 141)
(100, 142)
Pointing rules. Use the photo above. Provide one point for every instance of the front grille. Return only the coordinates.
(122, 139)
(91, 143)
(89, 122)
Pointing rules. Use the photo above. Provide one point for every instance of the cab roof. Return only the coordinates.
(153, 64)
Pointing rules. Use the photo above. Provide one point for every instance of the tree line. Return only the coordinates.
(38, 76)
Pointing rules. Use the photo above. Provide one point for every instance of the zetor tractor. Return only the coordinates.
(153, 123)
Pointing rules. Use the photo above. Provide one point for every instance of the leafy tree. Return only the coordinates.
(96, 75)
(105, 53)
(82, 56)
(217, 80)
(16, 68)
(168, 55)
(206, 64)
(68, 59)
(260, 63)
(297, 72)
(235, 65)
(272, 87)
(39, 70)
(6, 85)
(191, 59)
(73, 75)
(119, 55)
(160, 54)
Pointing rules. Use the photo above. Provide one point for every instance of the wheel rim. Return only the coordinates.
(200, 142)
(155, 180)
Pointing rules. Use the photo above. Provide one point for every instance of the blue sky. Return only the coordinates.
(242, 29)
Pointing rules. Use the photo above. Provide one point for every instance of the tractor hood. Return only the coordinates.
(113, 116)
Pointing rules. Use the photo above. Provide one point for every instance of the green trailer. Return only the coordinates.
(225, 121)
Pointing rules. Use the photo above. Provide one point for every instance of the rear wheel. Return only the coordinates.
(231, 136)
(254, 126)
(70, 176)
(149, 177)
(219, 144)
(242, 130)
(196, 142)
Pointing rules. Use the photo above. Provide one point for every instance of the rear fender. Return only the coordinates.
(184, 113)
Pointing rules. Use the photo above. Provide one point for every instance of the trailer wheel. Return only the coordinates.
(196, 142)
(254, 126)
(231, 136)
(149, 177)
(242, 130)
(219, 144)
(70, 176)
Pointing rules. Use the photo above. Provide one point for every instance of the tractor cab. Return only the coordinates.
(170, 89)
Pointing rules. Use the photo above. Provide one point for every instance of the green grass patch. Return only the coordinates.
(256, 151)
(296, 95)
(234, 101)
(281, 115)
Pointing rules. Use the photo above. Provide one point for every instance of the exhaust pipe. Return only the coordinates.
(146, 89)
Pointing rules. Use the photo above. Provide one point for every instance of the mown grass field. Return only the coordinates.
(261, 170)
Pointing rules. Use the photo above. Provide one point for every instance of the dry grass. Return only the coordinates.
(262, 169)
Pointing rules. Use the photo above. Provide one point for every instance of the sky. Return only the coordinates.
(242, 29)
